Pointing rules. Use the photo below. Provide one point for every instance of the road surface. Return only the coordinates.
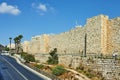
(11, 70)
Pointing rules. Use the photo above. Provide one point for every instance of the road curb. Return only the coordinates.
(37, 73)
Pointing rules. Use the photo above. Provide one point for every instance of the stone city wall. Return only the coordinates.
(114, 36)
(68, 42)
(102, 37)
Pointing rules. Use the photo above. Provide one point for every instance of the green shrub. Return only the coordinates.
(39, 66)
(23, 54)
(7, 48)
(29, 58)
(58, 70)
(53, 59)
(12, 54)
(89, 75)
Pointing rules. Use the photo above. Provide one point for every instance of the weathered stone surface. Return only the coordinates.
(102, 37)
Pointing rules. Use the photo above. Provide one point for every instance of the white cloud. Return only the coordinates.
(5, 8)
(42, 7)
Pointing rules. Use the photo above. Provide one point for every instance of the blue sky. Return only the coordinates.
(35, 17)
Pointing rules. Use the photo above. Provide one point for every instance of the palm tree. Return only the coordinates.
(17, 41)
(10, 42)
(20, 37)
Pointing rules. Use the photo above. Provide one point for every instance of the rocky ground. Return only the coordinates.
(70, 74)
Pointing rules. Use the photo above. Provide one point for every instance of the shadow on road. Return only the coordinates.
(1, 77)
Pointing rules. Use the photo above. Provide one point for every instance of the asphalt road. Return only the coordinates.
(11, 70)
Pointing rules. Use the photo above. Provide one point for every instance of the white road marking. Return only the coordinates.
(15, 69)
(28, 68)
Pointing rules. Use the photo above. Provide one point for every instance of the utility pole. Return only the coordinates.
(85, 45)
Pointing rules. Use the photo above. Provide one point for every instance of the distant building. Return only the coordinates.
(12, 46)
